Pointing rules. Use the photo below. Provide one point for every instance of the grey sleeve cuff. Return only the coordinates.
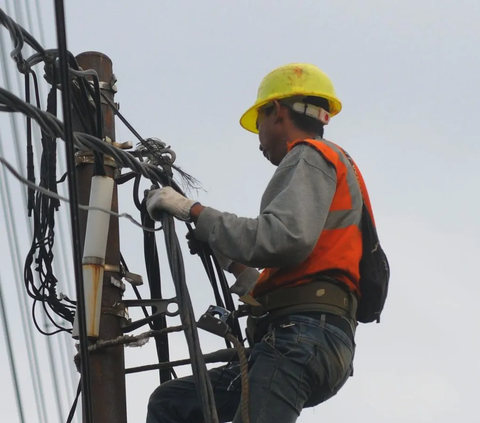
(206, 223)
(245, 282)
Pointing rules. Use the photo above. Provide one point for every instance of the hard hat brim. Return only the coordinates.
(248, 120)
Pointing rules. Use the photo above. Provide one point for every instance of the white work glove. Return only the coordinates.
(171, 201)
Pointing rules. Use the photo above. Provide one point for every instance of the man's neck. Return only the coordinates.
(296, 134)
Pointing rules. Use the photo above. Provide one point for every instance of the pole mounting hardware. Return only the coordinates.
(160, 309)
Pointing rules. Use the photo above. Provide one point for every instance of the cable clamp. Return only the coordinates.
(215, 321)
(121, 145)
(132, 278)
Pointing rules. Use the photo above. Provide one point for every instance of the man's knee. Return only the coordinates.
(175, 401)
(161, 404)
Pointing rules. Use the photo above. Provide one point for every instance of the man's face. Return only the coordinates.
(271, 134)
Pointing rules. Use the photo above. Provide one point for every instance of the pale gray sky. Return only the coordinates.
(407, 73)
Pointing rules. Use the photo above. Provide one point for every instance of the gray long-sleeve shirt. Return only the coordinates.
(293, 212)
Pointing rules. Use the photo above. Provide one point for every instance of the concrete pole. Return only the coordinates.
(107, 367)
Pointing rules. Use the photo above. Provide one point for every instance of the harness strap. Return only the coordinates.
(316, 296)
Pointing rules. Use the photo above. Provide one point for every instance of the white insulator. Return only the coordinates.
(98, 222)
(94, 251)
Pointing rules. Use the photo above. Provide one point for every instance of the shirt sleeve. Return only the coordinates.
(245, 282)
(294, 209)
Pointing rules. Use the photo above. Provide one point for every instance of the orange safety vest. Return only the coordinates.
(339, 248)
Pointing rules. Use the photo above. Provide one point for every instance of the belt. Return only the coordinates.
(315, 296)
(334, 319)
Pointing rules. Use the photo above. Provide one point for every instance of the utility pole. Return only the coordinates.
(107, 367)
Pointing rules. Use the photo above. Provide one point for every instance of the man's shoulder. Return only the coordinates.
(306, 152)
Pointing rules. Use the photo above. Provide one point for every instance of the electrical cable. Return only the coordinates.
(30, 205)
(206, 255)
(189, 179)
(75, 402)
(152, 265)
(54, 127)
(34, 366)
(77, 249)
(202, 380)
(49, 179)
(158, 173)
(80, 206)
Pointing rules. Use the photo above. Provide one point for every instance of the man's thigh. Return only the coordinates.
(177, 401)
(300, 362)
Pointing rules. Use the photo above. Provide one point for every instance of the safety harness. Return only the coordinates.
(321, 295)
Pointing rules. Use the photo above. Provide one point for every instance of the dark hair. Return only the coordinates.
(307, 123)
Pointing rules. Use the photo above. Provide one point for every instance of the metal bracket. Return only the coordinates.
(86, 157)
(160, 308)
(216, 325)
(118, 283)
(132, 278)
(121, 145)
(115, 311)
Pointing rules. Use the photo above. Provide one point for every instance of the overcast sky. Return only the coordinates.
(408, 74)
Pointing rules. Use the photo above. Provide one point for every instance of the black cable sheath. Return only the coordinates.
(30, 161)
(152, 265)
(74, 215)
(75, 401)
(201, 378)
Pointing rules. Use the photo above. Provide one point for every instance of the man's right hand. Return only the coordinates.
(195, 246)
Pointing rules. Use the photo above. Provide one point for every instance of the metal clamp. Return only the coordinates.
(121, 145)
(160, 308)
(86, 157)
(132, 278)
(216, 325)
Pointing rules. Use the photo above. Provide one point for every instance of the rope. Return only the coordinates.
(243, 375)
(127, 340)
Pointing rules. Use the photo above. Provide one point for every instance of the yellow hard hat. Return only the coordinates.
(288, 81)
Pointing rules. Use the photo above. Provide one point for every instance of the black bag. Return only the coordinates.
(374, 273)
(374, 267)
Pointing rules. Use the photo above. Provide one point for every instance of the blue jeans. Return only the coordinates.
(300, 362)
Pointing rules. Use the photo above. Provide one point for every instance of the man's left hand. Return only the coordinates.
(171, 201)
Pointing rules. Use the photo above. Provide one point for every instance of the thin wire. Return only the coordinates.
(11, 358)
(60, 265)
(52, 194)
(28, 333)
(32, 354)
(65, 347)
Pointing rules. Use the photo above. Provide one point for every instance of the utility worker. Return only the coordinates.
(307, 239)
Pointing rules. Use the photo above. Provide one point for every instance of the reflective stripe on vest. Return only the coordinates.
(339, 248)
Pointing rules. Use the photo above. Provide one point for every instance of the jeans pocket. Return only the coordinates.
(341, 353)
(283, 338)
(331, 364)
